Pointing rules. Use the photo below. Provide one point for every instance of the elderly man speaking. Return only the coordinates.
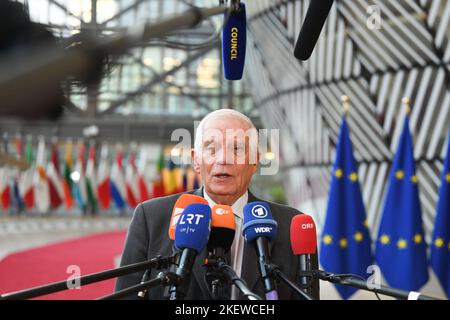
(225, 156)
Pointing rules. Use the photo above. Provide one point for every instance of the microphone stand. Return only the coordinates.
(352, 281)
(143, 294)
(231, 275)
(184, 272)
(275, 271)
(214, 275)
(172, 268)
(162, 279)
(262, 248)
(156, 263)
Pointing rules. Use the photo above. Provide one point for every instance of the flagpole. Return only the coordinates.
(345, 104)
(407, 103)
(346, 242)
(401, 252)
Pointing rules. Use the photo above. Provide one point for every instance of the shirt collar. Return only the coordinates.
(237, 207)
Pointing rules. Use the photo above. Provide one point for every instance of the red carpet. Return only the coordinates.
(35, 267)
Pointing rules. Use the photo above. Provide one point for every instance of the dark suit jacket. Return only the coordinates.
(148, 237)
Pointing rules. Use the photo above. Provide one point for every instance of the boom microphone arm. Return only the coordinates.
(352, 281)
(157, 263)
(275, 270)
(25, 82)
(162, 279)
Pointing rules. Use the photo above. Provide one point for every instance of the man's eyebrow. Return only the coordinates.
(207, 142)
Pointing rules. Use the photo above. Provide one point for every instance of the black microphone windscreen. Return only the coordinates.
(312, 26)
(221, 238)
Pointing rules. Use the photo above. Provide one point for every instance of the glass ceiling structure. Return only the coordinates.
(162, 77)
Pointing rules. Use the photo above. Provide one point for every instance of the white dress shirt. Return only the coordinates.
(237, 248)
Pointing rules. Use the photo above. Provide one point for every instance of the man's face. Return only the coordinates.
(228, 157)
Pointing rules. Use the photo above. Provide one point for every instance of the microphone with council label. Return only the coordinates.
(234, 40)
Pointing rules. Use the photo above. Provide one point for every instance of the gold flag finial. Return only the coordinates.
(407, 103)
(345, 103)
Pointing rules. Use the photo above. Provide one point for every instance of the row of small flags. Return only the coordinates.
(93, 184)
(400, 249)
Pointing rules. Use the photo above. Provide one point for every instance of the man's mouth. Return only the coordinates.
(222, 175)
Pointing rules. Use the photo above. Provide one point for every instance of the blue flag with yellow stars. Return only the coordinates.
(440, 246)
(400, 247)
(345, 243)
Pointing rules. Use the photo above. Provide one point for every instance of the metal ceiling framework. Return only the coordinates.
(408, 56)
(154, 81)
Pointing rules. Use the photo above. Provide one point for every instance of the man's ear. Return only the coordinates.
(195, 163)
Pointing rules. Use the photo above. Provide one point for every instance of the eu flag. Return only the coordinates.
(400, 247)
(440, 246)
(345, 243)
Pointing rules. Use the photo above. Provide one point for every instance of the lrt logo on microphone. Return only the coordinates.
(263, 229)
(259, 211)
(234, 43)
(176, 216)
(189, 217)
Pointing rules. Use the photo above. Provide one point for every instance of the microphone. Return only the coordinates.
(223, 227)
(304, 244)
(191, 237)
(318, 11)
(182, 202)
(260, 228)
(234, 38)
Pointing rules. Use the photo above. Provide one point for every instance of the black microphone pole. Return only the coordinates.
(275, 270)
(172, 268)
(158, 263)
(146, 277)
(214, 275)
(162, 279)
(352, 281)
(304, 264)
(184, 270)
(231, 275)
(262, 248)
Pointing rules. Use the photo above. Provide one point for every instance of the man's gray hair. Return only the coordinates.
(221, 113)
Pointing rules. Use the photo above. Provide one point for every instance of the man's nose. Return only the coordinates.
(221, 157)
